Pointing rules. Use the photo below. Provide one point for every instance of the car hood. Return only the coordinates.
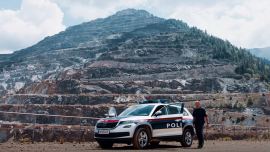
(129, 118)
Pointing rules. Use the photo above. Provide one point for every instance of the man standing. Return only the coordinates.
(200, 117)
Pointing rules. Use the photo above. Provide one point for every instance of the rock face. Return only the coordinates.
(130, 52)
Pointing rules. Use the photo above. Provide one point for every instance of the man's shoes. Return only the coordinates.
(200, 146)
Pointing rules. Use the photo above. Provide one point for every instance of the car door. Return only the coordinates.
(167, 124)
(174, 124)
(157, 123)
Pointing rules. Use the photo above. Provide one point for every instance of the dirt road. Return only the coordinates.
(210, 146)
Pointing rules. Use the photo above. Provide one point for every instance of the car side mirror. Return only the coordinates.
(111, 112)
(158, 113)
(182, 108)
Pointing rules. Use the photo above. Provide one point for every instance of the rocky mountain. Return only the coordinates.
(124, 58)
(69, 49)
(261, 52)
(130, 52)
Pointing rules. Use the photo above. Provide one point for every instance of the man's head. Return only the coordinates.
(197, 104)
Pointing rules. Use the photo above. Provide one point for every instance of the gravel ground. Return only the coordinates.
(210, 146)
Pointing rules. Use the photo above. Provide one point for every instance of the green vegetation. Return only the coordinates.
(247, 64)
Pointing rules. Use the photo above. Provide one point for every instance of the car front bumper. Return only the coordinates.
(115, 140)
(119, 132)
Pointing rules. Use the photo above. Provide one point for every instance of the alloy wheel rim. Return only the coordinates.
(188, 138)
(143, 139)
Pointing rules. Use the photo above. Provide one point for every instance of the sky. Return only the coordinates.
(245, 23)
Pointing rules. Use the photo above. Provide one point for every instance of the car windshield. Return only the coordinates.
(137, 110)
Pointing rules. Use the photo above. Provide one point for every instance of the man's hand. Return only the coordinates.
(207, 121)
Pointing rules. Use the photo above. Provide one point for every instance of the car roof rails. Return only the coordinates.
(164, 101)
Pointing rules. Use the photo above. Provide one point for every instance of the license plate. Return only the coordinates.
(104, 132)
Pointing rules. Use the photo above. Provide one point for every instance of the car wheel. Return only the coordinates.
(141, 138)
(105, 144)
(187, 138)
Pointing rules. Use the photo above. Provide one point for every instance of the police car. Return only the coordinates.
(146, 124)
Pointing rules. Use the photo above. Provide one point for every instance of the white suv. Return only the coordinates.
(147, 123)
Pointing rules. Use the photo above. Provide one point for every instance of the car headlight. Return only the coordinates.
(127, 122)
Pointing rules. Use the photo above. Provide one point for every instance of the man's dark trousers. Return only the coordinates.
(199, 132)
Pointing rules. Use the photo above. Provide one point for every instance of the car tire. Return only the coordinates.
(187, 138)
(141, 138)
(105, 144)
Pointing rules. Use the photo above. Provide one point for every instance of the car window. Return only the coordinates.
(138, 110)
(185, 113)
(162, 109)
(173, 110)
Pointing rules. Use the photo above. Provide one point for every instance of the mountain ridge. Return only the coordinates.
(61, 41)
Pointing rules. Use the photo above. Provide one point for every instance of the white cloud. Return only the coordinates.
(31, 23)
(92, 9)
(243, 22)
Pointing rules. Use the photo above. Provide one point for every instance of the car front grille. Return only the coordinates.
(106, 125)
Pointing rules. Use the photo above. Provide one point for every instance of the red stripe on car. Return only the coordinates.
(174, 118)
